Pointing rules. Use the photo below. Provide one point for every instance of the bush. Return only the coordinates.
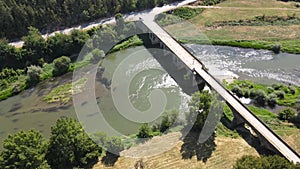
(252, 93)
(246, 93)
(286, 114)
(292, 90)
(280, 94)
(145, 131)
(276, 86)
(34, 74)
(237, 90)
(270, 90)
(186, 12)
(264, 162)
(61, 65)
(260, 97)
(276, 48)
(272, 100)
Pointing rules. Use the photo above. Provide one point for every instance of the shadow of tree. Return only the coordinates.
(252, 140)
(109, 159)
(296, 120)
(191, 146)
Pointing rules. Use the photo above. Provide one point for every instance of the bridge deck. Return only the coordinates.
(194, 64)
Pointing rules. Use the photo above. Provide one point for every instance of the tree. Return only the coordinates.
(79, 38)
(35, 45)
(199, 107)
(168, 119)
(119, 22)
(61, 65)
(24, 150)
(34, 74)
(145, 131)
(286, 114)
(70, 146)
(264, 162)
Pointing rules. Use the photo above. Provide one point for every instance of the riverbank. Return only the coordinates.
(20, 84)
(288, 46)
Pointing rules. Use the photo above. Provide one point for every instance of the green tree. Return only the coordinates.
(34, 74)
(24, 150)
(286, 114)
(61, 65)
(35, 45)
(79, 38)
(264, 162)
(199, 107)
(168, 119)
(70, 146)
(145, 131)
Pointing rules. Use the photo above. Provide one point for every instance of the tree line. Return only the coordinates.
(48, 15)
(68, 147)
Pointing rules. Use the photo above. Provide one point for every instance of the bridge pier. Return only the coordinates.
(238, 120)
(154, 39)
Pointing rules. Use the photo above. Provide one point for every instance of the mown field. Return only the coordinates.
(261, 35)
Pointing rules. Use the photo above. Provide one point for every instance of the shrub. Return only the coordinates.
(237, 90)
(286, 114)
(265, 162)
(270, 90)
(61, 65)
(292, 90)
(145, 131)
(111, 144)
(276, 86)
(246, 93)
(272, 100)
(34, 74)
(260, 97)
(276, 48)
(252, 93)
(280, 94)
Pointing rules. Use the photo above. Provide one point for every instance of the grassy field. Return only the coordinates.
(205, 23)
(227, 152)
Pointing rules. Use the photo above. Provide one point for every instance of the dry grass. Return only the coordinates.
(227, 152)
(256, 3)
(241, 10)
(254, 32)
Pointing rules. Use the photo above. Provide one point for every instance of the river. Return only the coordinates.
(28, 111)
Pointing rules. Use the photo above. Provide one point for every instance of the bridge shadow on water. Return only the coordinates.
(180, 74)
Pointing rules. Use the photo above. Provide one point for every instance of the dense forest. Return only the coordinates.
(48, 15)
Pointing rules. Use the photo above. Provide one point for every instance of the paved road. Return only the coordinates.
(196, 65)
(128, 17)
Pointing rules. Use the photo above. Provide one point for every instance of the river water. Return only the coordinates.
(28, 111)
